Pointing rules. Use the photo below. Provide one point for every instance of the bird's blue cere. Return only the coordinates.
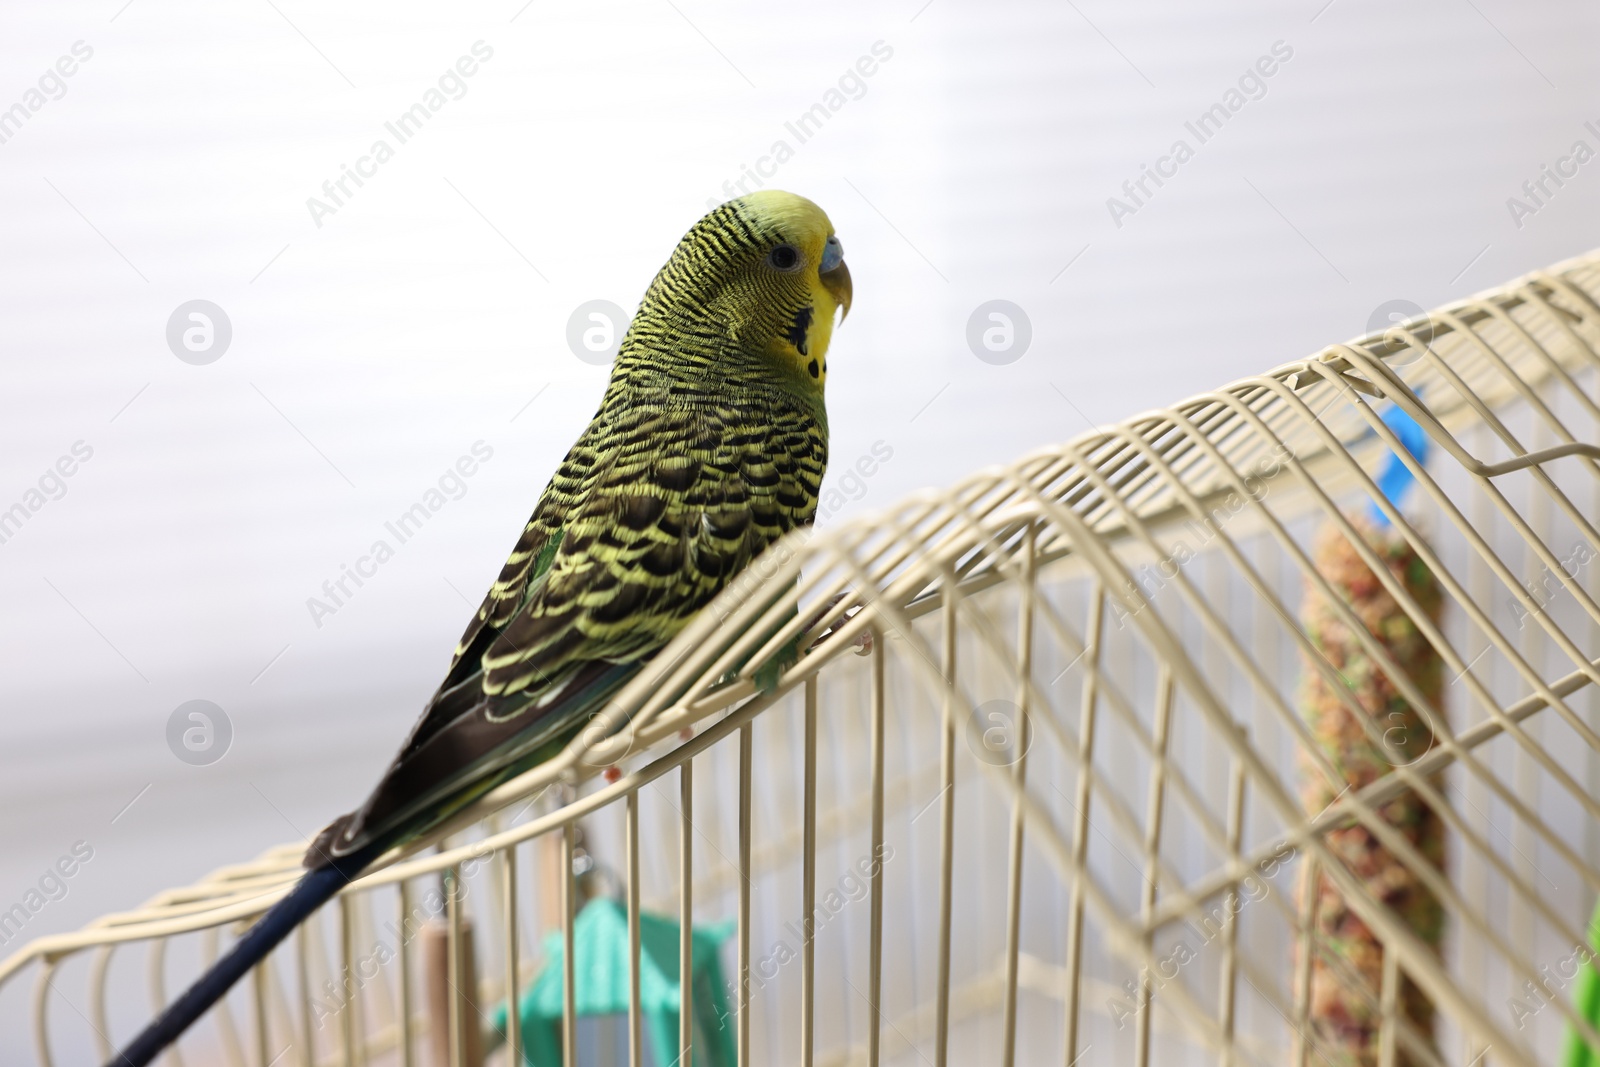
(832, 254)
(1394, 477)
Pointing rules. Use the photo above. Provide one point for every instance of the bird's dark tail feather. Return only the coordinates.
(314, 889)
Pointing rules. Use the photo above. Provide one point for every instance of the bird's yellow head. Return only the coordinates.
(753, 287)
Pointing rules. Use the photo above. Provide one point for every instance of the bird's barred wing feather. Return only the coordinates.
(687, 497)
(651, 515)
(531, 557)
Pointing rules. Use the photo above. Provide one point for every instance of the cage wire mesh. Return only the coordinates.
(1050, 810)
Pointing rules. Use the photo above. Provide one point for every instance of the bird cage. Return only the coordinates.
(1037, 791)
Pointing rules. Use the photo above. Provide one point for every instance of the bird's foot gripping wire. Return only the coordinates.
(766, 677)
(861, 645)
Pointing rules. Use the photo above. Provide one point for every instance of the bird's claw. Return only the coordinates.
(862, 645)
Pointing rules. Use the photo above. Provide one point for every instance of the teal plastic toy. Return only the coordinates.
(600, 942)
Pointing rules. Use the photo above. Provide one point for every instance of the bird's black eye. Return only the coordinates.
(784, 257)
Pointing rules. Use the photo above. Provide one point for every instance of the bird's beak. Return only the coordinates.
(837, 282)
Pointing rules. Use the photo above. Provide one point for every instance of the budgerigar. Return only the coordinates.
(709, 445)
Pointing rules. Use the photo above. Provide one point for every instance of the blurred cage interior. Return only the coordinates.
(1049, 810)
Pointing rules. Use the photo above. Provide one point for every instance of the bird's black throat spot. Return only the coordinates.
(811, 368)
(799, 329)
